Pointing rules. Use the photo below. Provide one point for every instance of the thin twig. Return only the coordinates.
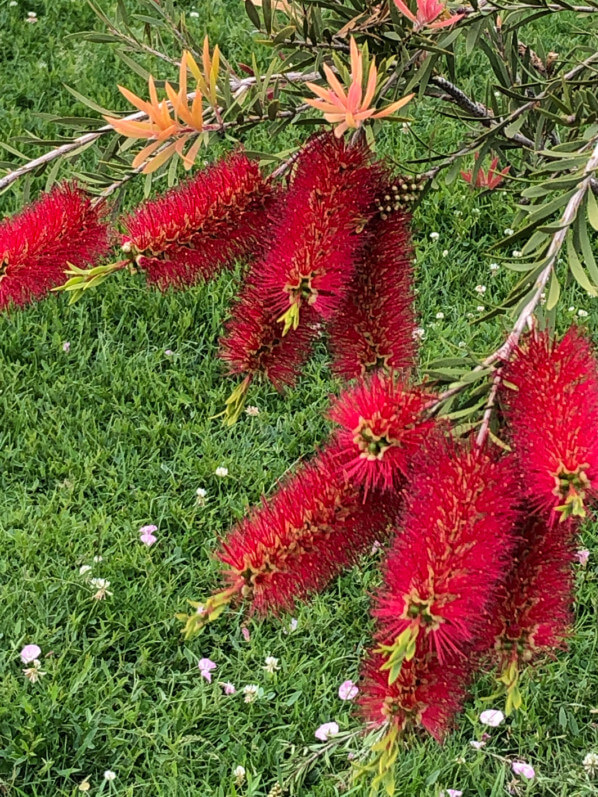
(238, 86)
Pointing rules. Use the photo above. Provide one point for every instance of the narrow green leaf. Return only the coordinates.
(577, 268)
(554, 291)
(252, 13)
(592, 209)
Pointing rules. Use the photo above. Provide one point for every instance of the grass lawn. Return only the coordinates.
(117, 432)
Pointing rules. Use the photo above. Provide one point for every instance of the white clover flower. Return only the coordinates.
(434, 236)
(481, 289)
(582, 313)
(445, 252)
(221, 472)
(419, 333)
(84, 569)
(509, 231)
(101, 584)
(517, 253)
(590, 764)
(462, 344)
(34, 673)
(200, 499)
(440, 316)
(251, 692)
(271, 665)
(480, 308)
(494, 266)
(252, 411)
(97, 559)
(239, 773)
(109, 775)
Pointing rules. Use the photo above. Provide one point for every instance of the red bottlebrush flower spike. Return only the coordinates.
(375, 323)
(319, 236)
(202, 226)
(426, 694)
(453, 550)
(381, 429)
(553, 418)
(533, 611)
(295, 543)
(37, 245)
(254, 343)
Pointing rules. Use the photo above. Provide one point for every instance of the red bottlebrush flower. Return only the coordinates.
(375, 322)
(453, 550)
(553, 419)
(490, 179)
(533, 609)
(254, 343)
(381, 429)
(36, 246)
(297, 541)
(426, 694)
(315, 244)
(202, 226)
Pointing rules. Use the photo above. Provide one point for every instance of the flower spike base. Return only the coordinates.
(235, 403)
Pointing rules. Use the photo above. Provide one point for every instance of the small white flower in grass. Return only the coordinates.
(509, 231)
(227, 687)
(470, 315)
(271, 665)
(292, 626)
(221, 472)
(434, 236)
(492, 717)
(543, 297)
(84, 569)
(582, 313)
(419, 333)
(582, 556)
(13, 3)
(201, 496)
(571, 309)
(97, 559)
(327, 731)
(462, 344)
(348, 690)
(476, 211)
(494, 267)
(523, 769)
(85, 785)
(146, 535)
(109, 775)
(250, 692)
(516, 253)
(377, 546)
(169, 352)
(440, 315)
(205, 669)
(34, 673)
(101, 584)
(445, 253)
(252, 411)
(480, 308)
(477, 745)
(590, 764)
(66, 346)
(458, 213)
(194, 14)
(30, 653)
(451, 793)
(239, 773)
(481, 289)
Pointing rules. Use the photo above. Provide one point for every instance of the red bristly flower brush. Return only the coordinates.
(307, 269)
(453, 548)
(550, 392)
(317, 243)
(381, 428)
(202, 226)
(533, 612)
(375, 322)
(62, 228)
(297, 541)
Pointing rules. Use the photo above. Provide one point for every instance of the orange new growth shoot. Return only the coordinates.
(172, 117)
(349, 109)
